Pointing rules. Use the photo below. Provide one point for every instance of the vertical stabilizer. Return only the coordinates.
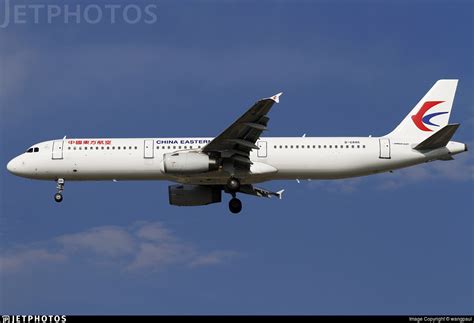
(430, 114)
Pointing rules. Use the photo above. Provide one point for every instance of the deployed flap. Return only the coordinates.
(239, 139)
(439, 139)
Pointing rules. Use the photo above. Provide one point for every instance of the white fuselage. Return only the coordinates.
(276, 158)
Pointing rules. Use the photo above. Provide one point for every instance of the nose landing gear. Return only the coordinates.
(58, 197)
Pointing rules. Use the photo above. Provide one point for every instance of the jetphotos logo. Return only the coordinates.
(33, 318)
(421, 119)
(20, 12)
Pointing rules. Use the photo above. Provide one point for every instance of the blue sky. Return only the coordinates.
(398, 243)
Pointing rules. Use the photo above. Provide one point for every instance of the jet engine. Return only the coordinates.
(192, 195)
(188, 163)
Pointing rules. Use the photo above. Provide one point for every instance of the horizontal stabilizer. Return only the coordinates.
(438, 139)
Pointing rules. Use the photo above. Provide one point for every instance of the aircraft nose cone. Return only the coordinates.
(12, 166)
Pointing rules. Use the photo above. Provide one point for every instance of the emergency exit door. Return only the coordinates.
(148, 149)
(262, 149)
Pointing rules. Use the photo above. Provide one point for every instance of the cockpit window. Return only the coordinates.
(30, 150)
(36, 149)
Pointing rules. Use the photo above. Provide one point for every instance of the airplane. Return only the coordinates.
(238, 158)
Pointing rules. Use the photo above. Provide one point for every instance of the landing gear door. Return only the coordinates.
(58, 149)
(148, 149)
(384, 144)
(262, 149)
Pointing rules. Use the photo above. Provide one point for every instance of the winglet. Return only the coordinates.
(276, 97)
(279, 193)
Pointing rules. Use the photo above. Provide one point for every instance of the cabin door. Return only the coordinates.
(148, 149)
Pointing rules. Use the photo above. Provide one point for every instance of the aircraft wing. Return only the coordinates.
(236, 142)
(260, 192)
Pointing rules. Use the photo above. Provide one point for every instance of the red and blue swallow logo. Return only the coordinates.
(421, 120)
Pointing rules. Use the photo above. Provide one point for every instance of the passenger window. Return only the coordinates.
(308, 146)
(118, 147)
(179, 147)
(296, 146)
(352, 146)
(74, 148)
(291, 146)
(275, 147)
(96, 148)
(108, 147)
(347, 146)
(363, 146)
(69, 148)
(335, 146)
(136, 147)
(286, 147)
(185, 147)
(85, 148)
(130, 147)
(319, 146)
(325, 146)
(358, 146)
(330, 146)
(174, 147)
(169, 147)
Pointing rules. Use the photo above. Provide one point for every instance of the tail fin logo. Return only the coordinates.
(421, 120)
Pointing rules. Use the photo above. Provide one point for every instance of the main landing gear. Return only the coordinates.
(235, 205)
(233, 186)
(58, 197)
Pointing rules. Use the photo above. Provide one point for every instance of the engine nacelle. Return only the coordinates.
(188, 163)
(192, 195)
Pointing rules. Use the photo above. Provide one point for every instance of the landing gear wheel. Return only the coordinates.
(233, 184)
(58, 197)
(235, 205)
